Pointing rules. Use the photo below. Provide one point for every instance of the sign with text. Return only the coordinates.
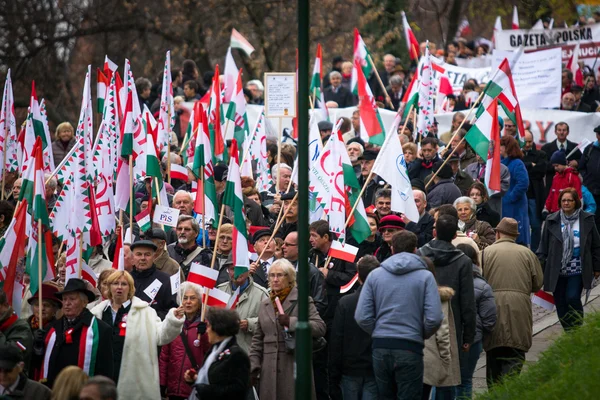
(280, 94)
(587, 36)
(166, 216)
(535, 75)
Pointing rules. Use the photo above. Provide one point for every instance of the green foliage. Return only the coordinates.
(569, 369)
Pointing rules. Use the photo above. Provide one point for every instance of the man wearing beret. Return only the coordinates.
(78, 338)
(151, 285)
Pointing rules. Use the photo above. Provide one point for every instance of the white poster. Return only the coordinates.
(280, 94)
(166, 216)
(537, 76)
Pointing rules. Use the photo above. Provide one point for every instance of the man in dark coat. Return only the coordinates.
(186, 250)
(14, 331)
(535, 161)
(14, 383)
(68, 336)
(151, 285)
(264, 248)
(424, 227)
(589, 166)
(336, 92)
(442, 190)
(422, 167)
(350, 352)
(367, 160)
(561, 130)
(454, 269)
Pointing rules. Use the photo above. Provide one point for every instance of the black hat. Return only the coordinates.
(368, 155)
(289, 195)
(220, 172)
(407, 124)
(443, 172)
(356, 140)
(576, 88)
(337, 59)
(10, 356)
(325, 126)
(418, 183)
(156, 233)
(453, 157)
(261, 233)
(143, 243)
(597, 129)
(77, 285)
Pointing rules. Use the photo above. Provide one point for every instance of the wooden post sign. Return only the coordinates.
(280, 94)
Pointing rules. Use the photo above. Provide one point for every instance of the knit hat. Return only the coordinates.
(356, 140)
(558, 157)
(444, 171)
(220, 172)
(325, 126)
(392, 222)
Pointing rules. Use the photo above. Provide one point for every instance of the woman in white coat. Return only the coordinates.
(137, 333)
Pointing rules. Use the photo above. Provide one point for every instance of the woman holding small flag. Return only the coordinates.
(188, 349)
(137, 331)
(270, 360)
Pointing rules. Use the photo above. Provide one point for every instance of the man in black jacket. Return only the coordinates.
(186, 250)
(422, 167)
(535, 161)
(589, 166)
(561, 130)
(336, 92)
(424, 227)
(151, 285)
(350, 356)
(367, 160)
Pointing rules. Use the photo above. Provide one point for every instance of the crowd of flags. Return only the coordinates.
(97, 177)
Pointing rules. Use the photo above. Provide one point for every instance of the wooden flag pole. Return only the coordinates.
(444, 163)
(80, 255)
(131, 198)
(464, 120)
(385, 93)
(204, 232)
(3, 168)
(407, 118)
(169, 160)
(277, 226)
(60, 248)
(214, 256)
(279, 140)
(62, 163)
(39, 250)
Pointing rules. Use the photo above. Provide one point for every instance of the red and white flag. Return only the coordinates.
(515, 18)
(573, 66)
(342, 251)
(444, 90)
(543, 299)
(179, 172)
(346, 288)
(217, 298)
(203, 276)
(235, 297)
(119, 258)
(411, 40)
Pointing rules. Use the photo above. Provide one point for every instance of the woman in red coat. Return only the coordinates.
(175, 358)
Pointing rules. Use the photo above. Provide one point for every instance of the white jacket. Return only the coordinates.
(138, 378)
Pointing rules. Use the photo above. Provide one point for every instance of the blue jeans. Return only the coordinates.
(359, 387)
(465, 389)
(567, 298)
(536, 224)
(399, 374)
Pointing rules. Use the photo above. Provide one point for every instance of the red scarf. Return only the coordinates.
(8, 323)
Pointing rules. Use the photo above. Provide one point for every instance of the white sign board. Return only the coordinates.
(166, 216)
(280, 94)
(537, 76)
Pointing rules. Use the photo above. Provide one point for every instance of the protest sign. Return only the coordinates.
(280, 94)
(166, 216)
(587, 36)
(535, 75)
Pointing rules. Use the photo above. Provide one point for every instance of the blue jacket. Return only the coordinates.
(514, 202)
(400, 301)
(589, 204)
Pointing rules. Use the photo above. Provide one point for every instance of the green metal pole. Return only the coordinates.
(303, 335)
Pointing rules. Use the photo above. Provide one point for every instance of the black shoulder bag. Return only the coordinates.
(188, 351)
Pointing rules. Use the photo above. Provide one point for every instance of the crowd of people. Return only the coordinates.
(430, 297)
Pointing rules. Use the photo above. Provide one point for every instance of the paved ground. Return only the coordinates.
(546, 329)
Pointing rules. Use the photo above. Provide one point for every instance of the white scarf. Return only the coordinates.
(216, 350)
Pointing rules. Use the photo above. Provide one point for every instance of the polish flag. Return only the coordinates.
(203, 276)
(515, 18)
(179, 172)
(444, 90)
(342, 251)
(235, 297)
(217, 298)
(573, 66)
(346, 288)
(543, 299)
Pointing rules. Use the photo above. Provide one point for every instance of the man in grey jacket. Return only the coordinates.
(399, 306)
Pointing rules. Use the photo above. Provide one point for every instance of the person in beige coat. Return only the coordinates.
(271, 365)
(514, 273)
(248, 304)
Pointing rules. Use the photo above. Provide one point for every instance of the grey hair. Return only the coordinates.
(183, 192)
(421, 192)
(276, 167)
(259, 85)
(287, 268)
(360, 146)
(105, 385)
(334, 74)
(52, 182)
(84, 298)
(142, 84)
(195, 224)
(465, 199)
(395, 80)
(185, 286)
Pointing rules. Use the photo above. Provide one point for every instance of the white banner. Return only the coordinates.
(587, 36)
(459, 76)
(536, 76)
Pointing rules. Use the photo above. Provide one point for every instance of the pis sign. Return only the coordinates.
(166, 216)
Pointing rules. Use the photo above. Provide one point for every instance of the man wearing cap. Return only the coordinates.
(388, 226)
(325, 128)
(162, 260)
(151, 285)
(186, 250)
(442, 190)
(355, 148)
(561, 130)
(422, 167)
(14, 330)
(514, 273)
(78, 338)
(14, 384)
(367, 160)
(589, 166)
(265, 249)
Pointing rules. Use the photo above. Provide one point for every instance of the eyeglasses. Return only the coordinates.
(277, 275)
(289, 244)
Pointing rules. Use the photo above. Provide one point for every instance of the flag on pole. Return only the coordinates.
(179, 172)
(342, 251)
(411, 40)
(236, 111)
(143, 220)
(233, 300)
(515, 18)
(544, 300)
(235, 200)
(205, 204)
(217, 298)
(497, 28)
(391, 166)
(119, 256)
(426, 95)
(153, 170)
(573, 66)
(411, 96)
(316, 86)
(203, 276)
(109, 66)
(257, 151)
(231, 76)
(12, 247)
(239, 42)
(444, 90)
(362, 61)
(371, 127)
(214, 119)
(166, 115)
(102, 85)
(8, 130)
(34, 128)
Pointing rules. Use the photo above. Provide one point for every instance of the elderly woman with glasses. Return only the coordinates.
(570, 253)
(137, 334)
(480, 231)
(270, 360)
